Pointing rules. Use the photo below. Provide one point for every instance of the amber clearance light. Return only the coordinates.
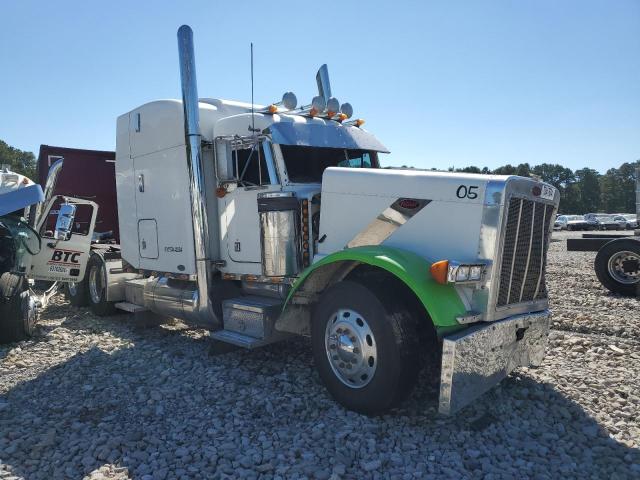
(439, 271)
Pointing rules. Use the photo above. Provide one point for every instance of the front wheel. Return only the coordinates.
(97, 287)
(18, 312)
(617, 266)
(365, 347)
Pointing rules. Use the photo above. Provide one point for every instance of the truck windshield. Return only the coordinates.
(306, 164)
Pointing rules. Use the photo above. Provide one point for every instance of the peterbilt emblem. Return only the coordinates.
(409, 203)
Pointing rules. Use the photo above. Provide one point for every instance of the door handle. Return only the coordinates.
(141, 182)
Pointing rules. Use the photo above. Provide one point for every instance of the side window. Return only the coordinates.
(242, 161)
(356, 160)
(81, 222)
(250, 166)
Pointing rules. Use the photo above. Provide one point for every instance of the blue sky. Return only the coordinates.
(447, 83)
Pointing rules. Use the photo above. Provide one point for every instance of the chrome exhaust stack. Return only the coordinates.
(35, 214)
(160, 296)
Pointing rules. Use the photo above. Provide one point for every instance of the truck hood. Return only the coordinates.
(17, 192)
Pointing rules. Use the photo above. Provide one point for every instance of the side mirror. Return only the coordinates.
(64, 223)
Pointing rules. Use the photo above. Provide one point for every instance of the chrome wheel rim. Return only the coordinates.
(351, 348)
(29, 313)
(96, 283)
(624, 267)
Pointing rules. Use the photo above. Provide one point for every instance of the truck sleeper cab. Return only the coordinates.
(260, 225)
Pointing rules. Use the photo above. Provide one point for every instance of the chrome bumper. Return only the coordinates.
(476, 359)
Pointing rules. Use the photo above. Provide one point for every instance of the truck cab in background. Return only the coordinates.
(33, 249)
(261, 222)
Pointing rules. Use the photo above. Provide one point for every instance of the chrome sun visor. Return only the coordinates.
(325, 135)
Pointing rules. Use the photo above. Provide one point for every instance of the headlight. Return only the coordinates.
(465, 273)
(475, 272)
(462, 275)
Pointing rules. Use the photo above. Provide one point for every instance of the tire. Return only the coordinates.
(388, 335)
(77, 293)
(617, 266)
(14, 325)
(96, 287)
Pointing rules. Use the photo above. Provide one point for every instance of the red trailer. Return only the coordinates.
(88, 174)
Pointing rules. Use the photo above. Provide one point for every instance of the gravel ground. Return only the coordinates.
(102, 398)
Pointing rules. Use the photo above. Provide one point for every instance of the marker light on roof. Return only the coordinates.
(356, 123)
(288, 102)
(347, 110)
(333, 107)
(317, 106)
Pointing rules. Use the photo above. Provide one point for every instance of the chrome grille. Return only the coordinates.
(525, 252)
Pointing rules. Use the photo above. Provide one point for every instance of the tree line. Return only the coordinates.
(582, 191)
(18, 160)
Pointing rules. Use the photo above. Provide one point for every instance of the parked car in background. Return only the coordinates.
(571, 222)
(602, 221)
(627, 221)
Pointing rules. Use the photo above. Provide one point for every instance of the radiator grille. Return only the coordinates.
(524, 254)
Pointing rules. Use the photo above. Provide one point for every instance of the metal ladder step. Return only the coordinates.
(245, 341)
(249, 321)
(130, 307)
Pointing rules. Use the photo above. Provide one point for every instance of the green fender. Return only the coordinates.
(441, 301)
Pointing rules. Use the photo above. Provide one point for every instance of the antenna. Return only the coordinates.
(253, 122)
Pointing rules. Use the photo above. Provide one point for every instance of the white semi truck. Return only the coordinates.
(262, 222)
(31, 250)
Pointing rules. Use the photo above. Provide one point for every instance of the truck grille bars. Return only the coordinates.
(525, 251)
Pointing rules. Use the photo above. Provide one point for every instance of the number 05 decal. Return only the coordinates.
(470, 192)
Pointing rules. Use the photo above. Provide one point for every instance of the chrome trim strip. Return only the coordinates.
(387, 222)
(526, 268)
(515, 250)
(543, 244)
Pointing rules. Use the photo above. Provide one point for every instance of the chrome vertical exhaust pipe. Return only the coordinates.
(35, 213)
(202, 311)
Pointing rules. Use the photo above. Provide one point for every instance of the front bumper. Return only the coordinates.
(479, 357)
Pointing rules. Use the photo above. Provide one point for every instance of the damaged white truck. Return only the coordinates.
(31, 249)
(261, 222)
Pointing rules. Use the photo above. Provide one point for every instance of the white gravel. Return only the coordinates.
(102, 398)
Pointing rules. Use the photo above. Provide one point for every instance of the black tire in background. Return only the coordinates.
(96, 287)
(13, 326)
(610, 272)
(396, 340)
(77, 292)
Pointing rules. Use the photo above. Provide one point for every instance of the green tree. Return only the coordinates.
(617, 188)
(588, 183)
(507, 169)
(18, 160)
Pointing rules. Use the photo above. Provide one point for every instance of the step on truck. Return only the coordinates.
(262, 222)
(39, 241)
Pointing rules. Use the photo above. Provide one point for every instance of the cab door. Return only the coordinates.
(250, 171)
(65, 229)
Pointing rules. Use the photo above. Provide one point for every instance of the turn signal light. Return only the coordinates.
(439, 271)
